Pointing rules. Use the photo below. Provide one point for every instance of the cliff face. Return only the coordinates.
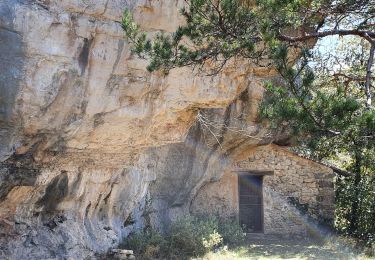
(90, 141)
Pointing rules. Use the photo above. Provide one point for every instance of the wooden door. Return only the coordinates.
(251, 202)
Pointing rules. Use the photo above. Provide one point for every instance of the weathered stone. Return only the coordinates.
(284, 202)
(93, 146)
(122, 254)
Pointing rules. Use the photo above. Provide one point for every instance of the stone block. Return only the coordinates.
(325, 183)
(122, 254)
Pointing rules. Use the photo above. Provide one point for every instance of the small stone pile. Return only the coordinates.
(122, 254)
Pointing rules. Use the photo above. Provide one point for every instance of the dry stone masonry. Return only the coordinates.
(294, 190)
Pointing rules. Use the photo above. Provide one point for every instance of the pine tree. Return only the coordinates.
(324, 97)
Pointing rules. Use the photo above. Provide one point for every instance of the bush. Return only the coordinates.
(232, 233)
(194, 237)
(148, 244)
(187, 237)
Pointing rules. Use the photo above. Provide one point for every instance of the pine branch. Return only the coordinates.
(350, 77)
(368, 35)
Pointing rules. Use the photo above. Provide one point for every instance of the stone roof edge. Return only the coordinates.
(332, 167)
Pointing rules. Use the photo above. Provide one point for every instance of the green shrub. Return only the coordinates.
(232, 233)
(147, 244)
(192, 236)
(187, 237)
(370, 250)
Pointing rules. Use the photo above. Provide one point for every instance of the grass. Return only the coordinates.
(287, 249)
(211, 239)
(187, 237)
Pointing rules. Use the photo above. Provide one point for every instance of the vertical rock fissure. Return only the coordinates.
(83, 57)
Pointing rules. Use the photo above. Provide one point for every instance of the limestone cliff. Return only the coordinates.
(93, 146)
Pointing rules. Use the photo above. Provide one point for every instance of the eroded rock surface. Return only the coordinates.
(92, 146)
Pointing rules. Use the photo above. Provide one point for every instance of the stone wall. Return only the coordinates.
(298, 191)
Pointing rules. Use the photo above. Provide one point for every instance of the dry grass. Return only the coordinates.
(288, 249)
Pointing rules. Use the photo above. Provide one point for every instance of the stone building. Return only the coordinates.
(272, 191)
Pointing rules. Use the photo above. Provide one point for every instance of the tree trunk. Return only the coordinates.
(354, 213)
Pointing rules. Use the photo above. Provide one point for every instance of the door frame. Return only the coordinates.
(261, 174)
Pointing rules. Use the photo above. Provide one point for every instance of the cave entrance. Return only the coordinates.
(250, 189)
